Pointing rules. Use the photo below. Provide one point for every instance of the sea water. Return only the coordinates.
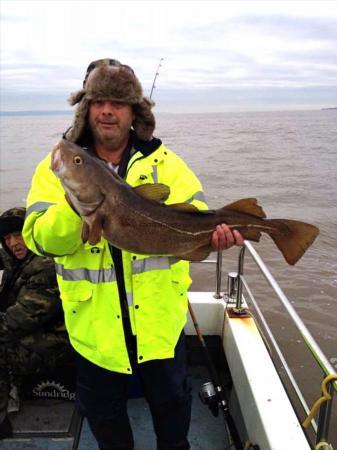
(287, 160)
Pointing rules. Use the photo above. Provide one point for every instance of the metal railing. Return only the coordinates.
(235, 284)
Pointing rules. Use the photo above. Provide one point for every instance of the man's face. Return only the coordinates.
(16, 244)
(110, 122)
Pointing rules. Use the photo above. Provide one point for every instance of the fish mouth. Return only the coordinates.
(56, 160)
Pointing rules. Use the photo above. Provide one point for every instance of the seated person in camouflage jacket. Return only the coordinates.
(32, 330)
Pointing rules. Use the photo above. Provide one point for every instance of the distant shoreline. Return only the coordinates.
(36, 113)
(71, 112)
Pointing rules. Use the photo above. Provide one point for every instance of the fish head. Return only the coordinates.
(79, 175)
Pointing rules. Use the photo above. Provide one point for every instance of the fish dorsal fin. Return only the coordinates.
(248, 206)
(157, 192)
(187, 207)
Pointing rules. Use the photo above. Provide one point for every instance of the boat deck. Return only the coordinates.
(47, 424)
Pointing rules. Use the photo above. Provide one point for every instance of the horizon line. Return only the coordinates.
(67, 112)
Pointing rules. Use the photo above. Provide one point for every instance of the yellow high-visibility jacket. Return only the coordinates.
(156, 287)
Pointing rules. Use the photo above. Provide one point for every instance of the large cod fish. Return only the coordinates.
(135, 219)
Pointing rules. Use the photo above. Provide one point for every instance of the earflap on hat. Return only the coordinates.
(76, 97)
(77, 128)
(144, 122)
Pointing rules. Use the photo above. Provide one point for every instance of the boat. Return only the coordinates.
(245, 395)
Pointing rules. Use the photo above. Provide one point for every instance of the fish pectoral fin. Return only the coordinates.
(95, 228)
(197, 254)
(85, 232)
(247, 206)
(157, 192)
(187, 207)
(250, 234)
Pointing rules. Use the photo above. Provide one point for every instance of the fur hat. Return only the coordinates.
(108, 79)
(11, 221)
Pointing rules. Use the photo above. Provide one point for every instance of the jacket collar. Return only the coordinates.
(146, 148)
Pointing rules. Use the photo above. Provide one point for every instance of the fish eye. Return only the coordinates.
(78, 160)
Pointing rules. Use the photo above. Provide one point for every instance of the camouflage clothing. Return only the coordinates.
(29, 298)
(32, 330)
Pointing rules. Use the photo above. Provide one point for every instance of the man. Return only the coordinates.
(32, 331)
(124, 312)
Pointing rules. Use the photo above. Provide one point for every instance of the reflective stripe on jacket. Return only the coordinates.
(156, 287)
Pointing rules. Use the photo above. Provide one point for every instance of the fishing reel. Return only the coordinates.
(208, 397)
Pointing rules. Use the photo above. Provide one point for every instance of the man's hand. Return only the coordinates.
(224, 238)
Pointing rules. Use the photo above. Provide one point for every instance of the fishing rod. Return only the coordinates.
(155, 77)
(212, 393)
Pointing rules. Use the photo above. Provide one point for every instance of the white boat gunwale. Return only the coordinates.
(231, 333)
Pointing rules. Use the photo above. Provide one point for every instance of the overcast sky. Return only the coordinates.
(218, 56)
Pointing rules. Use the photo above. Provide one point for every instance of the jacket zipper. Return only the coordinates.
(130, 340)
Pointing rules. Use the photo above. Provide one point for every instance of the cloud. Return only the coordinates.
(295, 27)
(243, 99)
(208, 47)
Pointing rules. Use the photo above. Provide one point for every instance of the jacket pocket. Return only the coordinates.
(78, 314)
(76, 293)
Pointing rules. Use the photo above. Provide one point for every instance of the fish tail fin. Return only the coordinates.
(292, 237)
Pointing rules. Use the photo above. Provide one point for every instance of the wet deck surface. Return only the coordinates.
(57, 419)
